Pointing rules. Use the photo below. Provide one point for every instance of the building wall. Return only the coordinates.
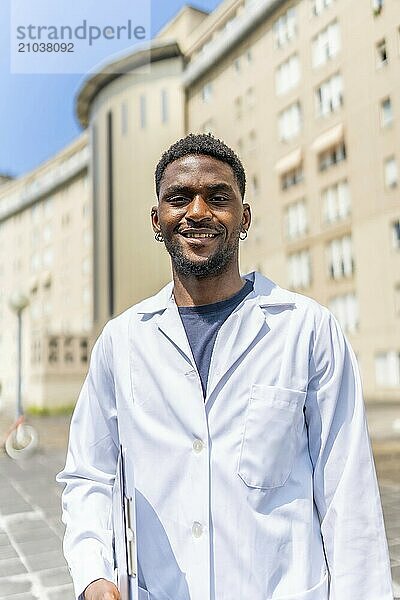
(241, 88)
(84, 252)
(147, 116)
(46, 219)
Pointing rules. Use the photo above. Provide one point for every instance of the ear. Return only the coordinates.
(246, 218)
(154, 219)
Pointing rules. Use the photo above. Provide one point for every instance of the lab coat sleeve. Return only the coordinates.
(345, 486)
(89, 475)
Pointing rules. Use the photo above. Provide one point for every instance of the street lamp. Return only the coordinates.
(18, 302)
(22, 439)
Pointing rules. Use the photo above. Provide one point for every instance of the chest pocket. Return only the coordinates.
(270, 433)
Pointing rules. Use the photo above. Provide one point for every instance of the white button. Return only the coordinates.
(197, 529)
(198, 446)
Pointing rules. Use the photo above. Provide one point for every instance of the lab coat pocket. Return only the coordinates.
(318, 592)
(270, 436)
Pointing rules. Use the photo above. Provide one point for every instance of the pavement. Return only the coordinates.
(32, 566)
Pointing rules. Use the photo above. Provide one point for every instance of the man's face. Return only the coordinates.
(200, 214)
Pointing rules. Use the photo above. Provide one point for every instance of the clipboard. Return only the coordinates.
(124, 528)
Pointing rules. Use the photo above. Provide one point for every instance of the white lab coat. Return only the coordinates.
(265, 491)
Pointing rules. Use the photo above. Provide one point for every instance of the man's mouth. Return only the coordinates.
(198, 234)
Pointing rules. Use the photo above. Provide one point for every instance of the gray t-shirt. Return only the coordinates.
(202, 324)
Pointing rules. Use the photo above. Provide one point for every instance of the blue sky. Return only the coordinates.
(37, 115)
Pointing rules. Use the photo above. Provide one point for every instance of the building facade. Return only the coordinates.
(313, 92)
(306, 92)
(46, 222)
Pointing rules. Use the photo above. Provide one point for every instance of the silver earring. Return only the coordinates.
(158, 236)
(243, 234)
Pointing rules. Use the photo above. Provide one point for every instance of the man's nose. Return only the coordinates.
(198, 209)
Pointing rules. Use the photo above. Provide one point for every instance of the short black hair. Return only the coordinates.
(206, 144)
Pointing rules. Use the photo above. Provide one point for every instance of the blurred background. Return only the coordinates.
(307, 92)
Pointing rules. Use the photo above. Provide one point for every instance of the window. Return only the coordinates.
(299, 267)
(326, 44)
(336, 202)
(53, 350)
(86, 266)
(320, 5)
(397, 299)
(48, 257)
(287, 75)
(35, 262)
(237, 65)
(345, 309)
(285, 27)
(35, 237)
(292, 177)
(340, 257)
(35, 352)
(83, 351)
(85, 209)
(396, 234)
(164, 106)
(47, 308)
(35, 310)
(250, 97)
(386, 112)
(65, 219)
(36, 214)
(329, 95)
(238, 107)
(47, 233)
(48, 207)
(332, 157)
(68, 350)
(289, 122)
(87, 238)
(391, 172)
(252, 140)
(377, 6)
(296, 220)
(381, 53)
(387, 369)
(86, 295)
(124, 119)
(207, 92)
(143, 111)
(255, 186)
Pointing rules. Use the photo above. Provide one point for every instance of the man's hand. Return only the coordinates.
(101, 589)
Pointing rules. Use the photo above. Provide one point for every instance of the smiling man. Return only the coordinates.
(237, 408)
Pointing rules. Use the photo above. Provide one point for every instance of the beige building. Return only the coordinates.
(46, 253)
(308, 94)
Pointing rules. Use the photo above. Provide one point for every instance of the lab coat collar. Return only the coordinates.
(243, 331)
(265, 290)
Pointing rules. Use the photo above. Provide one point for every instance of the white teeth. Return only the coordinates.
(201, 235)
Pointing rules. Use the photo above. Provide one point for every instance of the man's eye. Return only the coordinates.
(178, 199)
(219, 199)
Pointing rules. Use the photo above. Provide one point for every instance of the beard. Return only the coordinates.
(215, 264)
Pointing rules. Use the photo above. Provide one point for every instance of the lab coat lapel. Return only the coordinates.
(245, 327)
(170, 324)
(241, 331)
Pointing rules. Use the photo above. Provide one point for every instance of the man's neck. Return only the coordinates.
(195, 291)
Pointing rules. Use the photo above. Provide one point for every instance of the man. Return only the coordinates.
(239, 406)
